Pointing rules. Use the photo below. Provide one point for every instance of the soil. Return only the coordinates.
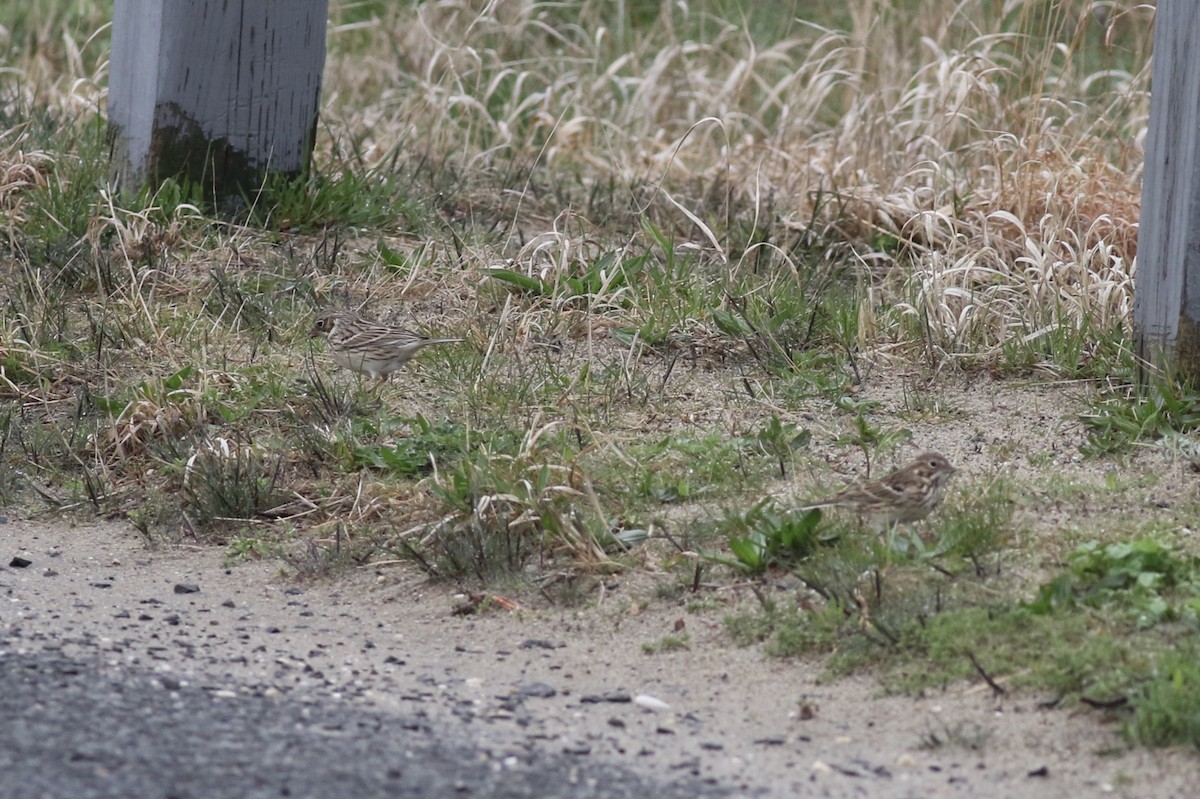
(540, 677)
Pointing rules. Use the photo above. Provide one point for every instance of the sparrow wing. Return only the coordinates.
(373, 335)
(902, 487)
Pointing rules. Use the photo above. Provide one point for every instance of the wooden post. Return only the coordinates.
(1166, 306)
(218, 92)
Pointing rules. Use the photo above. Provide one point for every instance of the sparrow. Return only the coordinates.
(368, 347)
(907, 494)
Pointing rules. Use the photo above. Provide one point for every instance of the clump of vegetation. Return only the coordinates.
(1166, 707)
(766, 535)
(1126, 654)
(227, 480)
(1150, 579)
(1128, 414)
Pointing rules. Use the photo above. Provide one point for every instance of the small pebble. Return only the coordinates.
(539, 690)
(650, 702)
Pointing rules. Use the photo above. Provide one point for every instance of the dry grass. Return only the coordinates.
(932, 182)
(958, 153)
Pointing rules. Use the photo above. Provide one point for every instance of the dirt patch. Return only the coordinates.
(566, 680)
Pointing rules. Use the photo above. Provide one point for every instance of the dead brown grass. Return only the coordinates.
(967, 139)
(974, 166)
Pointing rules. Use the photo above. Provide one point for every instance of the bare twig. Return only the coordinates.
(996, 687)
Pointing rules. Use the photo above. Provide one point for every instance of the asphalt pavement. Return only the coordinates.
(70, 728)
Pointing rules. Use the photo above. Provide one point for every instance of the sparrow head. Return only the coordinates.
(934, 465)
(323, 326)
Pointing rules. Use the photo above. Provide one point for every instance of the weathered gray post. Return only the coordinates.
(1166, 306)
(216, 91)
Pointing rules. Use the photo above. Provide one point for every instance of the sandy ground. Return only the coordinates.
(549, 677)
